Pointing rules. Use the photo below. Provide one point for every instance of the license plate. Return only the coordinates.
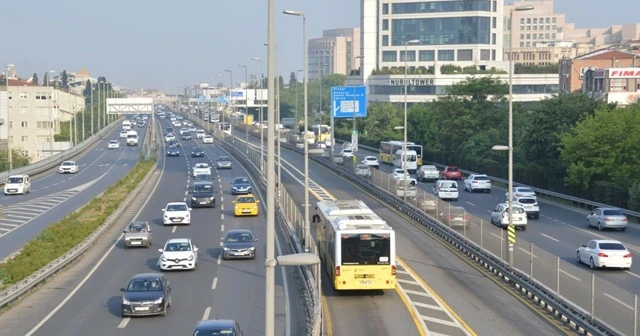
(203, 202)
(246, 210)
(366, 282)
(142, 308)
(458, 218)
(177, 220)
(136, 243)
(239, 253)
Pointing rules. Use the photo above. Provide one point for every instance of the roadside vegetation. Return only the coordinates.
(60, 237)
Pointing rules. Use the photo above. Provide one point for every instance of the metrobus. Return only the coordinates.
(224, 126)
(357, 247)
(411, 160)
(389, 148)
(322, 132)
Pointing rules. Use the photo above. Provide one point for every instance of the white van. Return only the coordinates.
(17, 184)
(446, 189)
(132, 138)
(411, 191)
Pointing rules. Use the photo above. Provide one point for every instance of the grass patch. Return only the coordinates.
(62, 236)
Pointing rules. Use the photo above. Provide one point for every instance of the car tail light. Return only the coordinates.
(628, 255)
(337, 271)
(603, 255)
(467, 218)
(607, 219)
(476, 182)
(393, 270)
(624, 219)
(505, 215)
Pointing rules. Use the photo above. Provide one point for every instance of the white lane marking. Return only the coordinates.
(222, 227)
(96, 266)
(221, 244)
(221, 206)
(175, 227)
(549, 237)
(569, 275)
(631, 273)
(618, 300)
(207, 311)
(124, 322)
(219, 259)
(215, 283)
(222, 216)
(495, 235)
(186, 192)
(184, 199)
(527, 252)
(470, 203)
(221, 198)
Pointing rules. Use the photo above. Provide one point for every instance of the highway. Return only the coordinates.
(89, 302)
(53, 196)
(465, 289)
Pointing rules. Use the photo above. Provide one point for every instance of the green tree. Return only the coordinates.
(293, 79)
(64, 80)
(34, 79)
(45, 80)
(87, 90)
(602, 155)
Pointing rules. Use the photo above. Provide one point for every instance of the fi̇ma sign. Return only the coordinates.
(624, 73)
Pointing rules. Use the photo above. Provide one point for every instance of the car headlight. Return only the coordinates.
(186, 216)
(125, 301)
(252, 248)
(190, 257)
(212, 198)
(255, 206)
(236, 207)
(234, 187)
(166, 216)
(225, 249)
(158, 300)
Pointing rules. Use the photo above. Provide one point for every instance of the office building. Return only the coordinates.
(572, 70)
(334, 53)
(613, 85)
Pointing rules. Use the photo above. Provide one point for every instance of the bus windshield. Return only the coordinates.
(366, 249)
(411, 158)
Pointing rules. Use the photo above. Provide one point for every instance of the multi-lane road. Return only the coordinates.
(55, 195)
(86, 299)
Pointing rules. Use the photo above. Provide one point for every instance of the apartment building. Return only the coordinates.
(542, 36)
(335, 52)
(572, 70)
(30, 116)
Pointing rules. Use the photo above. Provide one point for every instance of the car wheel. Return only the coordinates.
(600, 228)
(623, 229)
(588, 224)
(592, 264)
(164, 310)
(578, 257)
(170, 303)
(123, 315)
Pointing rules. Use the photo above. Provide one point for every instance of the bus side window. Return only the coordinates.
(315, 219)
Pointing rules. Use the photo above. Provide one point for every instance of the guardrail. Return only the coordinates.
(55, 160)
(552, 195)
(541, 288)
(15, 291)
(290, 219)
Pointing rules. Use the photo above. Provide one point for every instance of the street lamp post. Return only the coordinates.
(51, 121)
(246, 107)
(297, 98)
(306, 112)
(404, 146)
(354, 135)
(270, 261)
(260, 115)
(509, 148)
(230, 95)
(9, 153)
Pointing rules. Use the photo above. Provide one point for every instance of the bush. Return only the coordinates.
(62, 236)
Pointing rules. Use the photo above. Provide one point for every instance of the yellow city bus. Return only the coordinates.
(357, 247)
(388, 150)
(322, 133)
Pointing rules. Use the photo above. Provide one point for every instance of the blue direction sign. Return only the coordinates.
(345, 105)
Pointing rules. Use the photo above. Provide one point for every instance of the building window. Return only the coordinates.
(25, 152)
(445, 55)
(521, 21)
(465, 55)
(495, 6)
(43, 138)
(547, 20)
(521, 44)
(541, 27)
(528, 36)
(521, 28)
(493, 55)
(10, 124)
(548, 27)
(42, 110)
(24, 109)
(385, 9)
(24, 124)
(541, 36)
(25, 138)
(528, 27)
(522, 36)
(485, 54)
(493, 38)
(553, 36)
(494, 22)
(23, 95)
(411, 56)
(553, 20)
(441, 31)
(535, 20)
(385, 40)
(553, 27)
(10, 110)
(546, 36)
(389, 56)
(10, 95)
(528, 20)
(535, 27)
(385, 24)
(535, 36)
(440, 7)
(426, 55)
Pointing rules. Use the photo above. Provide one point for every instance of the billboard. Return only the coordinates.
(619, 73)
(623, 98)
(349, 101)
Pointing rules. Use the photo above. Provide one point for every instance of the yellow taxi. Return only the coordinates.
(246, 205)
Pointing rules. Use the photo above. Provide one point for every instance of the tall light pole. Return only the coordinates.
(260, 115)
(307, 233)
(9, 153)
(270, 262)
(511, 235)
(354, 135)
(277, 104)
(297, 97)
(51, 124)
(230, 94)
(91, 99)
(246, 106)
(404, 146)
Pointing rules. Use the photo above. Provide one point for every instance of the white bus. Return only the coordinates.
(357, 247)
(412, 160)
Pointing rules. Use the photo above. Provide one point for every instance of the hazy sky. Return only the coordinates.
(166, 44)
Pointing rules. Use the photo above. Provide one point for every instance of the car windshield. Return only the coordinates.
(137, 227)
(208, 136)
(612, 213)
(202, 165)
(346, 151)
(516, 210)
(203, 188)
(68, 163)
(612, 246)
(144, 285)
(216, 332)
(524, 190)
(428, 168)
(239, 237)
(449, 184)
(370, 158)
(176, 207)
(481, 178)
(15, 180)
(246, 200)
(202, 177)
(113, 141)
(452, 169)
(241, 180)
(224, 158)
(196, 149)
(398, 171)
(178, 247)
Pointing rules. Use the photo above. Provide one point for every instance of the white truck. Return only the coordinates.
(132, 138)
(126, 125)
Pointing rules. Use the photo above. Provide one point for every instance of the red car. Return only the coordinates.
(451, 173)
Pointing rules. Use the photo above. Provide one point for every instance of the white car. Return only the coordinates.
(521, 192)
(500, 216)
(17, 184)
(398, 173)
(178, 253)
(201, 169)
(346, 152)
(446, 190)
(176, 123)
(113, 144)
(200, 134)
(363, 170)
(68, 167)
(530, 205)
(176, 213)
(169, 137)
(192, 128)
(123, 134)
(475, 182)
(604, 253)
(208, 139)
(371, 161)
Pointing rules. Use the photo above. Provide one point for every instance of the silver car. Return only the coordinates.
(238, 244)
(223, 162)
(607, 218)
(137, 234)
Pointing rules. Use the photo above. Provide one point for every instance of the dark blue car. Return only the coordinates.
(240, 185)
(173, 151)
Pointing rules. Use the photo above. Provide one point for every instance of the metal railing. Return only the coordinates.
(55, 160)
(551, 195)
